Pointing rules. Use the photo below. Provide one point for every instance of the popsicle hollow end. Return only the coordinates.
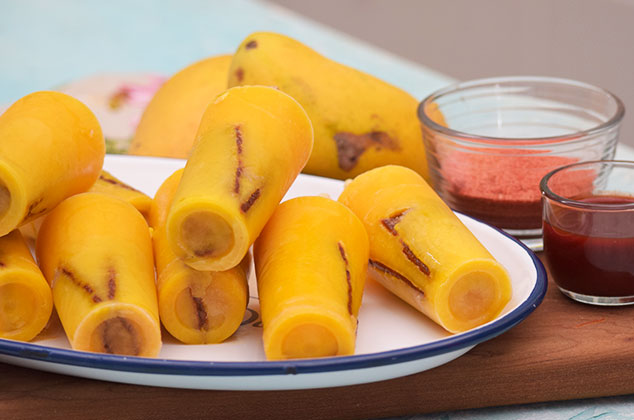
(202, 307)
(26, 304)
(206, 237)
(477, 292)
(308, 335)
(118, 328)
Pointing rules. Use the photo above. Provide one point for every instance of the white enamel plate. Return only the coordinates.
(393, 339)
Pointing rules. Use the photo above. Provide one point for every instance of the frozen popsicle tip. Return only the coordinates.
(25, 305)
(117, 336)
(26, 301)
(202, 307)
(198, 311)
(117, 328)
(206, 237)
(476, 293)
(305, 335)
(309, 340)
(206, 234)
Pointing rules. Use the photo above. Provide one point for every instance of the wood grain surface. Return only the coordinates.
(564, 350)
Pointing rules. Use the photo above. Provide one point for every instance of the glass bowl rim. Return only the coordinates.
(475, 139)
(549, 194)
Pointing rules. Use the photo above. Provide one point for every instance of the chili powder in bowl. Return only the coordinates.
(489, 142)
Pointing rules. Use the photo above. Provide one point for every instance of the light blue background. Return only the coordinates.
(48, 43)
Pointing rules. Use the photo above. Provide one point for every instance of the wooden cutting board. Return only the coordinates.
(564, 350)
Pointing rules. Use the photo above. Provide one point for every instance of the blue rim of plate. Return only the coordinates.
(222, 369)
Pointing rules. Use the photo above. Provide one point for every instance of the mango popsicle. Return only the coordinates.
(310, 261)
(107, 184)
(251, 144)
(95, 251)
(52, 147)
(420, 251)
(196, 307)
(26, 301)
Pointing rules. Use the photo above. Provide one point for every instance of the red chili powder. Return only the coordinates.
(501, 187)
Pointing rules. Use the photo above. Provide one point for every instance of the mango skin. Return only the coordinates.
(251, 144)
(169, 123)
(26, 301)
(360, 122)
(196, 307)
(95, 251)
(310, 263)
(51, 147)
(422, 252)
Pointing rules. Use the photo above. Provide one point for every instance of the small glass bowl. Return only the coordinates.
(588, 223)
(489, 142)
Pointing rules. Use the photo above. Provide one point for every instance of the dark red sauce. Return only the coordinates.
(592, 252)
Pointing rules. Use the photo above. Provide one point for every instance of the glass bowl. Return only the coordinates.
(589, 230)
(489, 142)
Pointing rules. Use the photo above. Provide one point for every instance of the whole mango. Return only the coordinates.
(360, 122)
(170, 121)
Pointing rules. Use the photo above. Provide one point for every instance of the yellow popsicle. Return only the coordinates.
(421, 251)
(196, 307)
(108, 184)
(95, 251)
(51, 147)
(251, 144)
(311, 262)
(26, 301)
